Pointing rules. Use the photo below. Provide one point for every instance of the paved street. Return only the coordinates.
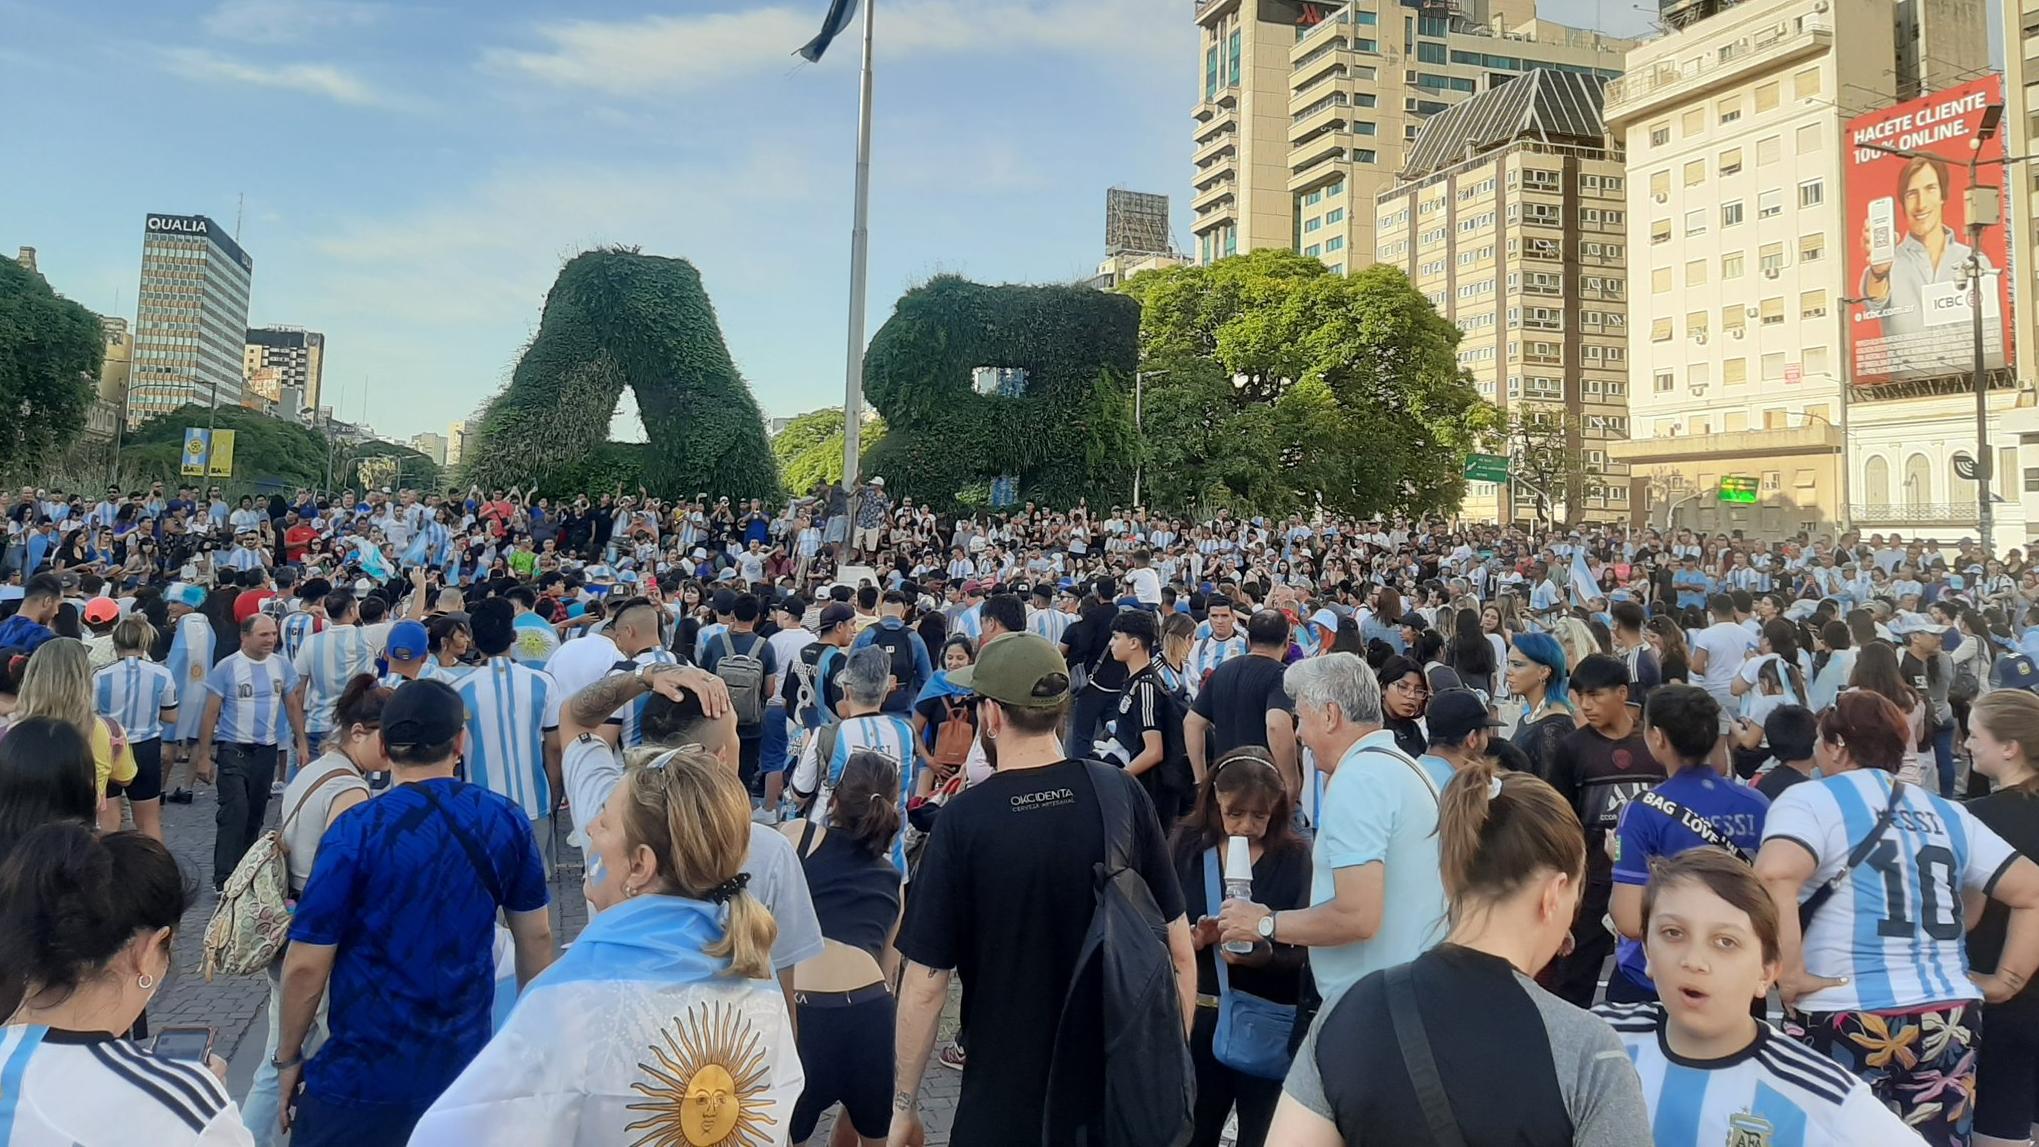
(237, 1008)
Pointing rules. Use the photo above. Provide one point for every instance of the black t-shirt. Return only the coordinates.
(1598, 775)
(1773, 783)
(1281, 881)
(1004, 895)
(2014, 816)
(1238, 698)
(1539, 739)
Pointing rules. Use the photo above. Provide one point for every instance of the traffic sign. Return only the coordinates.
(1486, 468)
(1738, 489)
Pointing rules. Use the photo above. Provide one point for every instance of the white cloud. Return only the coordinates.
(324, 80)
(287, 21)
(659, 55)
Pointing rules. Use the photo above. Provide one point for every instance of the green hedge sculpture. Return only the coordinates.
(1068, 436)
(617, 318)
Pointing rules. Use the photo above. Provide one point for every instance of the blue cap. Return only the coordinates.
(408, 641)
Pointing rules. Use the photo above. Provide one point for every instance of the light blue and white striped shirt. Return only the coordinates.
(251, 693)
(296, 628)
(883, 733)
(631, 715)
(1209, 653)
(190, 660)
(243, 558)
(429, 672)
(1049, 623)
(510, 708)
(134, 692)
(326, 662)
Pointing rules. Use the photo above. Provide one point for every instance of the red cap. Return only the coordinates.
(101, 610)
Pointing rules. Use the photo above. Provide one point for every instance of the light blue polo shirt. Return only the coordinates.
(1379, 807)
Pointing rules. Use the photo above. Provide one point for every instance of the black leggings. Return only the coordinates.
(1220, 1088)
(846, 1053)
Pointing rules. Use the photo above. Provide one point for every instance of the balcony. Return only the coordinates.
(1322, 60)
(1915, 514)
(1814, 437)
(1330, 117)
(1647, 88)
(1207, 10)
(1209, 197)
(1317, 159)
(1217, 146)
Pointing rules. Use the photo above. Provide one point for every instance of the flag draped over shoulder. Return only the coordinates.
(1585, 587)
(370, 558)
(840, 13)
(635, 1038)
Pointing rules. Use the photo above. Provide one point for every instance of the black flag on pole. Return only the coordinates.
(840, 13)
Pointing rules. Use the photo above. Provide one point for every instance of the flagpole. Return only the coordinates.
(860, 243)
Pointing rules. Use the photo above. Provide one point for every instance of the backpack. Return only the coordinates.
(957, 733)
(744, 673)
(252, 919)
(1121, 1004)
(898, 643)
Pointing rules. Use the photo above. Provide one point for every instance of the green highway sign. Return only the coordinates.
(1486, 468)
(1738, 488)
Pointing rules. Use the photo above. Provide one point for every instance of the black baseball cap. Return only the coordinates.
(1454, 714)
(835, 613)
(422, 713)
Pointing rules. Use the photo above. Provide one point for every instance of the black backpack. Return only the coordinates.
(1122, 1004)
(898, 643)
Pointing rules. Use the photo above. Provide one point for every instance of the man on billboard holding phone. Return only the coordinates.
(1899, 280)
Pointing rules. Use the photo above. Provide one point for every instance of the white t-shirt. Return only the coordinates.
(72, 1087)
(1146, 585)
(1931, 853)
(1727, 645)
(582, 662)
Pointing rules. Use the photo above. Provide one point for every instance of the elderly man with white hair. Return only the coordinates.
(1376, 891)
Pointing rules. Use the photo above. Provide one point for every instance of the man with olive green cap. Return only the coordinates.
(1004, 894)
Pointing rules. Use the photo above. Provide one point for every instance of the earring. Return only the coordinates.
(145, 981)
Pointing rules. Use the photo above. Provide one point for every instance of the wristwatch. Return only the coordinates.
(1266, 926)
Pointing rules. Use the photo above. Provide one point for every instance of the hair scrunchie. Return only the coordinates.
(726, 891)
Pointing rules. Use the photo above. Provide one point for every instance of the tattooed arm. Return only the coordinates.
(587, 710)
(922, 992)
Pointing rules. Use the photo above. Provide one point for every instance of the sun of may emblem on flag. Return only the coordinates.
(706, 1090)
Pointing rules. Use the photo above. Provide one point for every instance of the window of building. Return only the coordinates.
(1812, 304)
(1695, 326)
(1734, 421)
(1814, 359)
(1772, 312)
(1695, 222)
(1695, 273)
(1313, 249)
(1313, 223)
(1770, 258)
(1805, 84)
(1660, 281)
(1734, 371)
(1335, 243)
(1731, 161)
(1773, 369)
(1430, 53)
(1335, 215)
(1731, 265)
(1660, 184)
(1729, 110)
(1663, 383)
(1693, 122)
(1733, 318)
(1731, 213)
(1767, 96)
(1766, 151)
(1232, 50)
(1695, 172)
(1699, 373)
(1211, 73)
(1812, 248)
(1660, 330)
(1812, 193)
(1769, 203)
(1660, 134)
(1660, 231)
(1809, 139)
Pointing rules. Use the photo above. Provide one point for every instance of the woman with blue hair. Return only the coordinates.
(1537, 674)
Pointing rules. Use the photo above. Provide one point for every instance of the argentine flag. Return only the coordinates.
(635, 1037)
(1585, 587)
(371, 561)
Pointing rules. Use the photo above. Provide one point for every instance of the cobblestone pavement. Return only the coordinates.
(236, 1007)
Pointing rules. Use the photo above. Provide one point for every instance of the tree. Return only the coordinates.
(271, 455)
(1543, 448)
(1272, 385)
(50, 351)
(810, 449)
(616, 318)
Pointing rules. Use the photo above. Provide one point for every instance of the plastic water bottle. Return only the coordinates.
(1238, 883)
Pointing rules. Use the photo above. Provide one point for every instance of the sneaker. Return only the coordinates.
(276, 788)
(179, 796)
(951, 1056)
(764, 816)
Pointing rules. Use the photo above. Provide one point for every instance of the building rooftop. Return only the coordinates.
(1541, 104)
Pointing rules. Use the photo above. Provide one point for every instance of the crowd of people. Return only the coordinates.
(1233, 829)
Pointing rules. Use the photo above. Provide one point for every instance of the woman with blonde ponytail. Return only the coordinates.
(667, 1000)
(1524, 1066)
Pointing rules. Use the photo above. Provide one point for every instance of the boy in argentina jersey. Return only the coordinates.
(1712, 1074)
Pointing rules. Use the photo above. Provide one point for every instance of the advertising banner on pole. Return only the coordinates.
(1906, 236)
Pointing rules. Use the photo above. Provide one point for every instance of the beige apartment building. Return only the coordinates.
(1510, 217)
(1735, 132)
(1307, 110)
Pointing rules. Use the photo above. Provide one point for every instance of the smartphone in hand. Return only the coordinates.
(187, 1043)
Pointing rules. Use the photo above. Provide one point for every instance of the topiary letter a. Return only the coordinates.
(616, 319)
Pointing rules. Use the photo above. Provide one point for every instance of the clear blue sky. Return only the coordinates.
(416, 172)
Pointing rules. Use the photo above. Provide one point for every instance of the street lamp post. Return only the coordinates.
(1847, 514)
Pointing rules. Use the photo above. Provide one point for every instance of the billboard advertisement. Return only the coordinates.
(1906, 234)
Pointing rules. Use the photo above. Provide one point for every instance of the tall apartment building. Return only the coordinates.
(1509, 216)
(1308, 109)
(431, 445)
(297, 355)
(115, 368)
(191, 317)
(456, 441)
